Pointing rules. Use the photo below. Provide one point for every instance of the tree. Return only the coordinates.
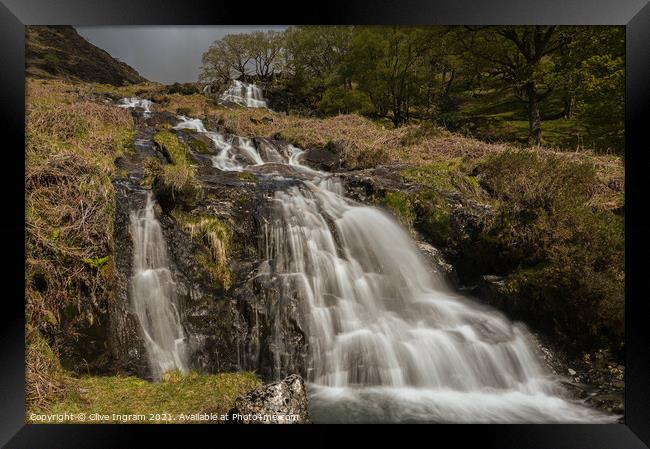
(227, 56)
(519, 56)
(388, 66)
(316, 59)
(265, 49)
(598, 68)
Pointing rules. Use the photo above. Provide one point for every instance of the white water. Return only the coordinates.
(153, 293)
(388, 340)
(135, 102)
(244, 94)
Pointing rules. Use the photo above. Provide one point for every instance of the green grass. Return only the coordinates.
(176, 394)
(499, 116)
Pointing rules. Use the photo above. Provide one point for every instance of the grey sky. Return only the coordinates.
(162, 53)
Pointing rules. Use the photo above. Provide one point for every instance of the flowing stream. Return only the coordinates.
(153, 293)
(389, 341)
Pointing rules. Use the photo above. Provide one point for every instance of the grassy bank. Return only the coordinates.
(73, 399)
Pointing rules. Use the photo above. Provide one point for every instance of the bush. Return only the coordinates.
(559, 252)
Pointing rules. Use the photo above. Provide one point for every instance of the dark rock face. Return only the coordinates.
(229, 328)
(125, 340)
(283, 402)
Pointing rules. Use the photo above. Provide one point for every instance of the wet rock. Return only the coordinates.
(321, 159)
(161, 119)
(491, 289)
(283, 402)
(125, 341)
(439, 262)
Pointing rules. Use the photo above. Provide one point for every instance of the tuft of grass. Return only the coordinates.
(176, 394)
(176, 182)
(172, 148)
(215, 236)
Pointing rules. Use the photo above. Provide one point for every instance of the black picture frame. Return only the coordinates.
(634, 14)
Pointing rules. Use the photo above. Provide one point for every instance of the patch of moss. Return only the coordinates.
(176, 182)
(96, 262)
(246, 176)
(172, 148)
(441, 175)
(216, 238)
(176, 394)
(400, 205)
(433, 217)
(199, 146)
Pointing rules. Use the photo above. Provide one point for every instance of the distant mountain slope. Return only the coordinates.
(60, 52)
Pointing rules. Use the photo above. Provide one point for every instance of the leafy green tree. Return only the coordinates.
(599, 74)
(226, 57)
(520, 57)
(388, 64)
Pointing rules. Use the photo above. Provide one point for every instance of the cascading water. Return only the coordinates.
(153, 294)
(388, 340)
(135, 102)
(244, 94)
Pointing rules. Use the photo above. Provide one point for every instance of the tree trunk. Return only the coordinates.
(534, 119)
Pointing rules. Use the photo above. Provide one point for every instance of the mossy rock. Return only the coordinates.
(215, 237)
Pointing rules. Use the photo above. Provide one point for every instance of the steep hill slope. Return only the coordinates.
(60, 52)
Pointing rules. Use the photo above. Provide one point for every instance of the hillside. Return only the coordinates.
(60, 52)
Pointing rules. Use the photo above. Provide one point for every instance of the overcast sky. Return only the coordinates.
(162, 53)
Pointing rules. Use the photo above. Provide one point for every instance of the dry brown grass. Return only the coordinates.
(71, 145)
(363, 143)
(45, 379)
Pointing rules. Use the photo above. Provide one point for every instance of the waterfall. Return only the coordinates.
(153, 294)
(244, 94)
(388, 339)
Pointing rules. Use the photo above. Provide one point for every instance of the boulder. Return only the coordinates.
(320, 159)
(283, 402)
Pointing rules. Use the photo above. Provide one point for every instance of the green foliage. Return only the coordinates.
(559, 85)
(237, 55)
(97, 262)
(340, 100)
(599, 74)
(557, 249)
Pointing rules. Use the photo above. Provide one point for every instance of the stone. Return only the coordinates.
(283, 402)
(321, 159)
(572, 372)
